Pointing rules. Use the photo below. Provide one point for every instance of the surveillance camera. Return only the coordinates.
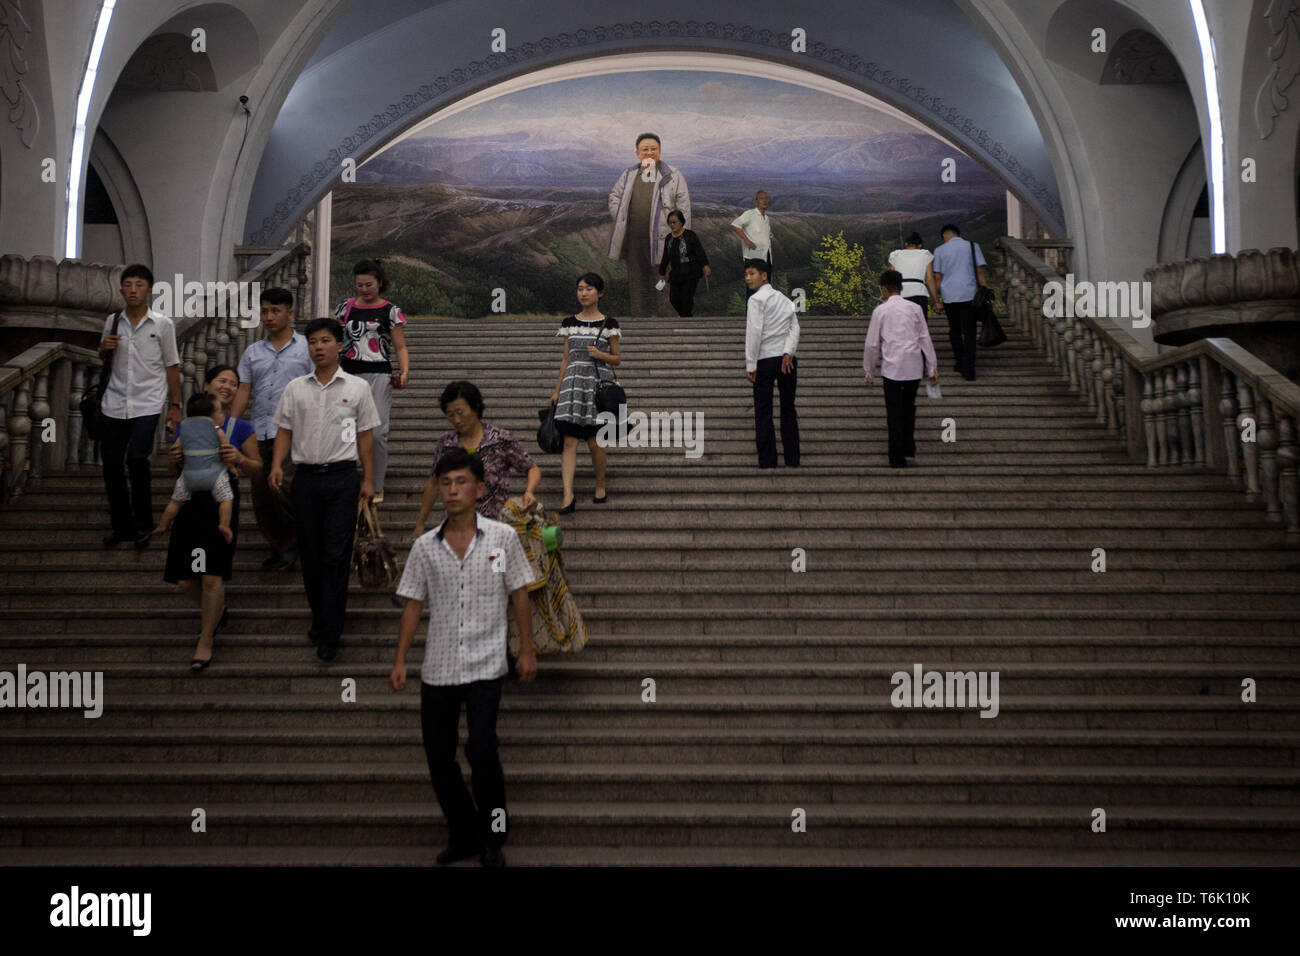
(243, 100)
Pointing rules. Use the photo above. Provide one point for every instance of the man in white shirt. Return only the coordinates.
(141, 344)
(771, 338)
(265, 370)
(755, 231)
(326, 420)
(465, 571)
(899, 340)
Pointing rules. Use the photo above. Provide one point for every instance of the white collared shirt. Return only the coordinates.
(771, 327)
(137, 385)
(318, 416)
(466, 599)
(758, 227)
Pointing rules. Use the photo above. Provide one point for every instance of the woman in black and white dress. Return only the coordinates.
(591, 341)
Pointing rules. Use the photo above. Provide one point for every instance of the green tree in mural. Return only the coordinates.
(844, 283)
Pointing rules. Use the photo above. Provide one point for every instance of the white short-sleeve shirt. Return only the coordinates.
(137, 386)
(466, 599)
(758, 226)
(326, 419)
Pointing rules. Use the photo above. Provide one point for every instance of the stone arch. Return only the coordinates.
(132, 219)
(1176, 225)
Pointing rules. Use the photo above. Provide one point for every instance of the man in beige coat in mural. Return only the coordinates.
(639, 204)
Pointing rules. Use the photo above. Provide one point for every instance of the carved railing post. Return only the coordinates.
(20, 429)
(1149, 408)
(1228, 419)
(1196, 413)
(1266, 439)
(1249, 449)
(1288, 457)
(1121, 409)
(38, 449)
(76, 388)
(1182, 420)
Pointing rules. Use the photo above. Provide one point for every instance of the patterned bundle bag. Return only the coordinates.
(557, 622)
(372, 555)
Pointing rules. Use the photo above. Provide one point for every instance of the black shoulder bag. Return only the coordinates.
(609, 394)
(991, 333)
(92, 415)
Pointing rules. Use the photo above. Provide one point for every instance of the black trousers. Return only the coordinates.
(962, 321)
(128, 441)
(922, 300)
(767, 373)
(770, 277)
(900, 415)
(274, 511)
(325, 512)
(469, 826)
(682, 296)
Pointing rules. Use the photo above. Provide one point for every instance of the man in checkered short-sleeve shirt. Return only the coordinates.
(464, 571)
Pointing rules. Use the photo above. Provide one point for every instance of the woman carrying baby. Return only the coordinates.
(203, 537)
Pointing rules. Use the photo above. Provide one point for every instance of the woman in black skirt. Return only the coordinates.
(203, 579)
(591, 341)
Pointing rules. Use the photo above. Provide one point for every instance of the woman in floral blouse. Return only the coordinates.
(500, 451)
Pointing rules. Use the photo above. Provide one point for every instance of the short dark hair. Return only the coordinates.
(891, 279)
(200, 405)
(648, 136)
(371, 267)
(325, 323)
(216, 370)
(276, 296)
(137, 271)
(759, 264)
(462, 389)
(914, 240)
(593, 280)
(679, 214)
(455, 460)
(949, 227)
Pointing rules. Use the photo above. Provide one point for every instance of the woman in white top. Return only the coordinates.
(913, 262)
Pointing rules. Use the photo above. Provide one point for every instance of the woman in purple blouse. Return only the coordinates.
(500, 451)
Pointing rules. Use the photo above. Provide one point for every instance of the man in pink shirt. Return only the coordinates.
(899, 340)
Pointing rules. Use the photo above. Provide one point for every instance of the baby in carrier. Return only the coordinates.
(200, 439)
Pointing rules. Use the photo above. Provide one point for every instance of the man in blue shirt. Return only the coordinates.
(265, 368)
(958, 279)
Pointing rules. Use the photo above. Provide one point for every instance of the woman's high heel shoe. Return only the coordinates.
(601, 500)
(572, 507)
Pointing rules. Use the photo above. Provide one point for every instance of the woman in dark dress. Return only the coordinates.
(684, 261)
(196, 524)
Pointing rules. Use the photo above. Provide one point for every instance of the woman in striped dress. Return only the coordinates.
(591, 341)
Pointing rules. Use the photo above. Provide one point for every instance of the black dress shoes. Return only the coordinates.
(288, 561)
(327, 652)
(572, 507)
(272, 560)
(142, 540)
(114, 539)
(492, 856)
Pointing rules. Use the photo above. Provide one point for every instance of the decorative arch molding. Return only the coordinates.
(1180, 208)
(662, 36)
(132, 220)
(233, 46)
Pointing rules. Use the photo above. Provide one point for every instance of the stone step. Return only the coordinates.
(661, 824)
(790, 784)
(649, 621)
(83, 649)
(798, 593)
(574, 675)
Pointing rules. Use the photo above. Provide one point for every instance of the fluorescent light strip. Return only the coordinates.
(1211, 73)
(79, 131)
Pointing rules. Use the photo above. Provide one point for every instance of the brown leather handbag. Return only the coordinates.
(372, 555)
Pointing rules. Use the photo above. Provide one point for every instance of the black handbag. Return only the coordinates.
(991, 332)
(91, 405)
(609, 394)
(548, 436)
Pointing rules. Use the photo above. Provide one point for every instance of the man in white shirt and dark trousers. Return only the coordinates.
(327, 419)
(465, 571)
(899, 340)
(771, 338)
(755, 231)
(145, 376)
